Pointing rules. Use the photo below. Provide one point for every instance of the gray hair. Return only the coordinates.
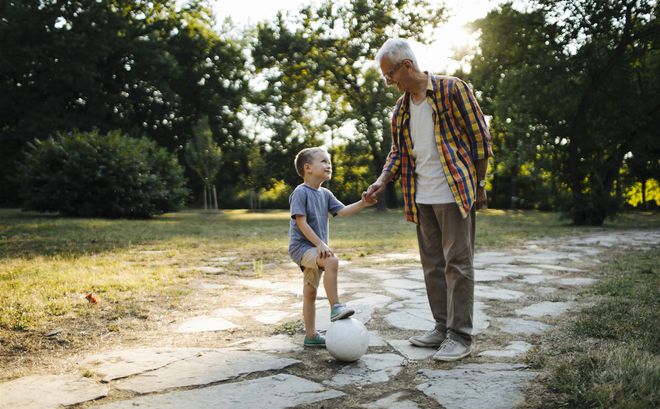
(396, 50)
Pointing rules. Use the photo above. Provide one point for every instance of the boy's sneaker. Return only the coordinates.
(451, 350)
(339, 312)
(317, 342)
(433, 338)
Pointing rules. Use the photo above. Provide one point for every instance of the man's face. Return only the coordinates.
(395, 74)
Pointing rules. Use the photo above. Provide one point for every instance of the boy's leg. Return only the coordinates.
(337, 311)
(331, 266)
(309, 310)
(311, 280)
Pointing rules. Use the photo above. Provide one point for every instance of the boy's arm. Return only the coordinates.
(353, 208)
(323, 249)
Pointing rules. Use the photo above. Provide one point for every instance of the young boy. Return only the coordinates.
(309, 235)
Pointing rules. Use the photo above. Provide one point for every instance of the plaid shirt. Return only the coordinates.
(460, 133)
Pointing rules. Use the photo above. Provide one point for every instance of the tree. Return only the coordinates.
(204, 157)
(151, 68)
(561, 80)
(320, 62)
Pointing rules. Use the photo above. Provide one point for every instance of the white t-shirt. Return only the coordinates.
(431, 185)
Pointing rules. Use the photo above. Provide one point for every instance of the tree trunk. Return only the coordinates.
(205, 197)
(215, 199)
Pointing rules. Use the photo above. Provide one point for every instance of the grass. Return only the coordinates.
(50, 263)
(609, 357)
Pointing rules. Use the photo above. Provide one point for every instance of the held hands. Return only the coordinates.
(324, 251)
(374, 189)
(368, 200)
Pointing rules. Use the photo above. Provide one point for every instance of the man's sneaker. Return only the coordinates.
(433, 338)
(317, 342)
(451, 350)
(339, 312)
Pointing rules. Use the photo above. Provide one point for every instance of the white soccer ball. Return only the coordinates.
(347, 340)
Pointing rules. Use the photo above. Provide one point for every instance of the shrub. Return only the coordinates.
(89, 174)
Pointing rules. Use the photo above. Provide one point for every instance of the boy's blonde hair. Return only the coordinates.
(306, 156)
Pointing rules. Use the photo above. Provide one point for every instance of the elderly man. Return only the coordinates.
(440, 150)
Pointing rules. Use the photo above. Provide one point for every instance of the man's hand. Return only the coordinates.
(482, 202)
(374, 190)
(324, 251)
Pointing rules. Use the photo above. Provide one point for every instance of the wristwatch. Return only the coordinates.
(482, 183)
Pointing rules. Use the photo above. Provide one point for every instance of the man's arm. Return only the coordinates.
(481, 166)
(322, 248)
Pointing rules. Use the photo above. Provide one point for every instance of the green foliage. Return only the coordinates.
(573, 88)
(148, 68)
(90, 174)
(320, 79)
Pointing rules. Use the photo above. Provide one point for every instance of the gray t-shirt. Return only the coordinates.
(315, 205)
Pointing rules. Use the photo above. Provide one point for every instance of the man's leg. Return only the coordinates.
(429, 237)
(458, 246)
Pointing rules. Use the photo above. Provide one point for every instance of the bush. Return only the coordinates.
(88, 174)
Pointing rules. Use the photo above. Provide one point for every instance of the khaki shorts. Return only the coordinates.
(311, 270)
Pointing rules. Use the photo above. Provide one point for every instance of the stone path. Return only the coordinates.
(519, 294)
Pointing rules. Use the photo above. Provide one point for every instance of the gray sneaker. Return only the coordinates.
(451, 350)
(432, 338)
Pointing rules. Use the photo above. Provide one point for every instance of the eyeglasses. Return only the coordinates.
(388, 75)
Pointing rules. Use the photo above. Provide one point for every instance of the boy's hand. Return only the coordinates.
(369, 200)
(324, 251)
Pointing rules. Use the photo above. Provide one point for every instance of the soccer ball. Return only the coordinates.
(347, 340)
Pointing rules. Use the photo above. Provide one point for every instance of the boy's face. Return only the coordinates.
(320, 167)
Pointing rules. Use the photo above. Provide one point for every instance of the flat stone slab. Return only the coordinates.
(411, 352)
(206, 367)
(393, 401)
(556, 267)
(520, 326)
(376, 340)
(536, 279)
(477, 386)
(545, 290)
(577, 281)
(517, 269)
(369, 369)
(271, 392)
(276, 343)
(271, 317)
(483, 275)
(123, 363)
(205, 323)
(512, 350)
(545, 308)
(49, 391)
(259, 300)
(494, 293)
(405, 284)
(411, 319)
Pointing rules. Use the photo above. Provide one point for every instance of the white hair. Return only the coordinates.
(396, 50)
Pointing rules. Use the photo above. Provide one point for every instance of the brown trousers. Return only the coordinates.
(446, 248)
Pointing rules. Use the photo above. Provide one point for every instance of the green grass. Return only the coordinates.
(49, 263)
(609, 358)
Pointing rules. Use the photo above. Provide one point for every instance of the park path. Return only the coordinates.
(520, 294)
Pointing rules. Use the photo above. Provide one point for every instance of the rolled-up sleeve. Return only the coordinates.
(472, 120)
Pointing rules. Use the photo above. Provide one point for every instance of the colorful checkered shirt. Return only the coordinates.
(461, 134)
